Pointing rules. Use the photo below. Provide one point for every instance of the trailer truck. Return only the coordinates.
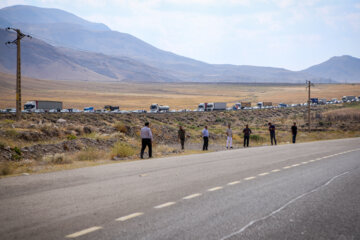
(349, 98)
(156, 108)
(39, 105)
(111, 108)
(219, 106)
(245, 105)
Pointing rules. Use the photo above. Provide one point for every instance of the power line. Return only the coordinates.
(17, 41)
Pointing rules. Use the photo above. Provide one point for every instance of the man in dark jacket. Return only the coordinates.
(181, 136)
(272, 133)
(294, 132)
(247, 132)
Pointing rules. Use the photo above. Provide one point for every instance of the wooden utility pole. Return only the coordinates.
(17, 41)
(309, 104)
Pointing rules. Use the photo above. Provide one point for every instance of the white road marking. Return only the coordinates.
(214, 189)
(124, 218)
(318, 159)
(233, 183)
(192, 196)
(304, 163)
(263, 174)
(83, 232)
(276, 170)
(312, 160)
(165, 205)
(281, 208)
(295, 165)
(249, 178)
(286, 167)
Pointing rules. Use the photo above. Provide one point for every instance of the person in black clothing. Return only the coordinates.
(272, 133)
(294, 132)
(181, 135)
(247, 132)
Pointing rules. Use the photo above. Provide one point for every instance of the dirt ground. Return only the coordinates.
(176, 95)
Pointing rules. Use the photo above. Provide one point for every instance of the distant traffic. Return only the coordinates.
(40, 106)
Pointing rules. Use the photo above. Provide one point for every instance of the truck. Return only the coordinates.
(156, 108)
(40, 105)
(322, 101)
(110, 108)
(349, 98)
(219, 106)
(236, 106)
(245, 105)
(201, 107)
(314, 100)
(89, 109)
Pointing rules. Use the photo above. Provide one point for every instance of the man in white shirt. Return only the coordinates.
(229, 135)
(146, 139)
(205, 135)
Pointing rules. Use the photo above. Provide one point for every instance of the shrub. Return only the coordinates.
(121, 127)
(17, 155)
(71, 137)
(90, 154)
(5, 169)
(256, 138)
(12, 133)
(122, 149)
(2, 145)
(60, 158)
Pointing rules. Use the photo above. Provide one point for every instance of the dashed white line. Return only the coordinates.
(214, 189)
(276, 170)
(233, 183)
(286, 167)
(192, 196)
(249, 178)
(313, 160)
(304, 163)
(295, 165)
(264, 174)
(83, 232)
(165, 205)
(133, 215)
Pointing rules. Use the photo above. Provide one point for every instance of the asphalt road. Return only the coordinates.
(301, 191)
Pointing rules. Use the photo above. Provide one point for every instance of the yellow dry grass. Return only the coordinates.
(177, 95)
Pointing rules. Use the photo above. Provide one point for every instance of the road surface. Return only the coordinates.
(301, 191)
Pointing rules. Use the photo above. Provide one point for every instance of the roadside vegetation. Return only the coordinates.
(41, 143)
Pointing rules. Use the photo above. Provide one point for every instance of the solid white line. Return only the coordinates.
(286, 167)
(281, 208)
(295, 165)
(276, 170)
(83, 232)
(264, 174)
(233, 183)
(165, 205)
(214, 189)
(124, 218)
(313, 160)
(249, 178)
(192, 196)
(304, 163)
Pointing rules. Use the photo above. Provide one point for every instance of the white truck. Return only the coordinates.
(46, 106)
(219, 106)
(349, 98)
(156, 108)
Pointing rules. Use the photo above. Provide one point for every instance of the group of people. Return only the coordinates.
(147, 138)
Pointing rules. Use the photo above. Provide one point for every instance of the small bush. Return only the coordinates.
(90, 154)
(121, 127)
(2, 145)
(122, 149)
(256, 138)
(5, 169)
(60, 158)
(71, 137)
(11, 133)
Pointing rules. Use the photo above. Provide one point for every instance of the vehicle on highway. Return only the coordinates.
(88, 109)
(219, 106)
(245, 105)
(32, 106)
(139, 111)
(348, 98)
(282, 105)
(110, 108)
(236, 106)
(156, 108)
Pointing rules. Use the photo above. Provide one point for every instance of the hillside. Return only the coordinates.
(139, 61)
(343, 69)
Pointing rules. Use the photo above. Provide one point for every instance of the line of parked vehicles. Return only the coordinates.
(38, 106)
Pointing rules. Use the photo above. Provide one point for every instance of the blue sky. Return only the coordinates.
(292, 34)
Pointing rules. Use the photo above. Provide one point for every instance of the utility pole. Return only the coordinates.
(309, 103)
(17, 41)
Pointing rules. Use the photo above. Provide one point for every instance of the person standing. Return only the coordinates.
(294, 132)
(247, 132)
(229, 135)
(181, 136)
(205, 135)
(272, 133)
(146, 140)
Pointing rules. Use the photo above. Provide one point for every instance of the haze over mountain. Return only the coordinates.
(116, 56)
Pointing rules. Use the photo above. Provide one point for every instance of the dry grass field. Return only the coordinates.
(176, 95)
